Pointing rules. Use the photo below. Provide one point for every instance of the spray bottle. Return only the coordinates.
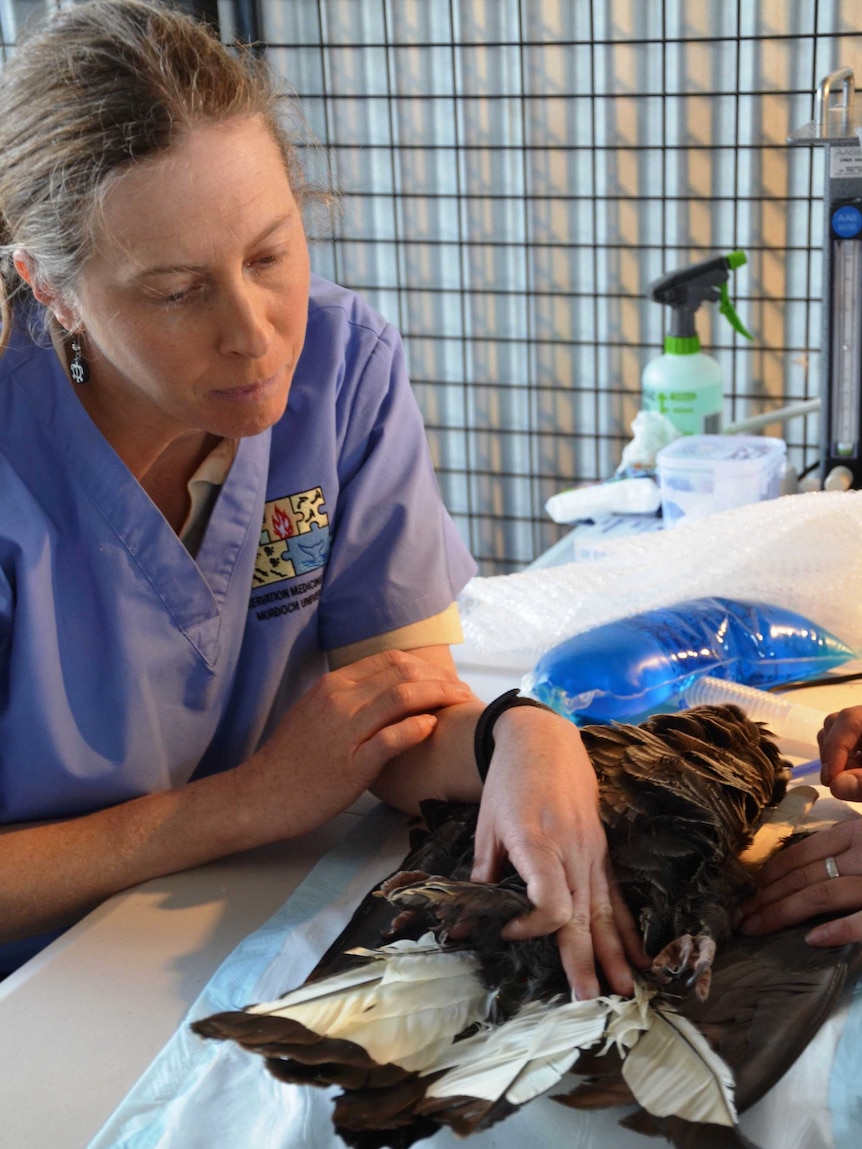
(684, 384)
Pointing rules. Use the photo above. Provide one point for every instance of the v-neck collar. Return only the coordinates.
(194, 590)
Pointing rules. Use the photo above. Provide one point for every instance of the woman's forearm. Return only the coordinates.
(326, 751)
(54, 873)
(443, 767)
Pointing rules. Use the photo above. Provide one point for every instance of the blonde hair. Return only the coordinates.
(101, 86)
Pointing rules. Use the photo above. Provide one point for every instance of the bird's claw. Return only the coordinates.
(687, 954)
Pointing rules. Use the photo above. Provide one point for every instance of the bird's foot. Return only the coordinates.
(687, 954)
(397, 890)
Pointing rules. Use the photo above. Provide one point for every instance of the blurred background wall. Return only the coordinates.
(514, 173)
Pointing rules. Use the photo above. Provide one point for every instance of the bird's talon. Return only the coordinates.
(687, 953)
(702, 985)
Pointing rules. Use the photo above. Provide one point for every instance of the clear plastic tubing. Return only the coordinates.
(794, 726)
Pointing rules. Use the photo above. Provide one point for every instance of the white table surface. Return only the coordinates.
(81, 1022)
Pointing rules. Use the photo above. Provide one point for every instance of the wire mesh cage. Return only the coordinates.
(514, 173)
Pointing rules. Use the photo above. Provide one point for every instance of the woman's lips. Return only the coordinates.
(248, 391)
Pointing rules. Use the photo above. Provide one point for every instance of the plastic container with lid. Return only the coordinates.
(701, 474)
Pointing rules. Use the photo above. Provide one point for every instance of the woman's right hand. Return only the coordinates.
(840, 743)
(334, 741)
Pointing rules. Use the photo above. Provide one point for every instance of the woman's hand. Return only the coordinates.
(840, 743)
(796, 884)
(540, 810)
(332, 744)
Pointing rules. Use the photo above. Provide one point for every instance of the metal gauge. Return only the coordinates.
(846, 366)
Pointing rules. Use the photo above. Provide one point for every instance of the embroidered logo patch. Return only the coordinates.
(294, 539)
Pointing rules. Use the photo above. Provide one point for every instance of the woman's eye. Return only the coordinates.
(172, 298)
(265, 261)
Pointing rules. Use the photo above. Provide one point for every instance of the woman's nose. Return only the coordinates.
(244, 327)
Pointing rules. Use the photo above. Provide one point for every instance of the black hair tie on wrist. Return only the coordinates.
(483, 741)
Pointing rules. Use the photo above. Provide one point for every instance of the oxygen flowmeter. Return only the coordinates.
(844, 350)
(834, 129)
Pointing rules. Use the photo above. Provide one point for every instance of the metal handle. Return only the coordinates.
(844, 77)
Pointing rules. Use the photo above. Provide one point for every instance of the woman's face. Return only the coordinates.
(194, 306)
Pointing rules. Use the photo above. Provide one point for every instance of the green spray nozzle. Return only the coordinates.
(685, 289)
(727, 310)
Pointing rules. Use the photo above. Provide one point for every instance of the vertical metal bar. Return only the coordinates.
(330, 142)
(737, 63)
(595, 249)
(463, 258)
(247, 23)
(400, 278)
(8, 32)
(806, 445)
(532, 430)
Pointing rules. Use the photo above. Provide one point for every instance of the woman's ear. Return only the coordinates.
(44, 293)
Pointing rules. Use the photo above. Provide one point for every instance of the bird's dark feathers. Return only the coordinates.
(680, 797)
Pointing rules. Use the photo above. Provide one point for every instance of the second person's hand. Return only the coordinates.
(840, 743)
(820, 875)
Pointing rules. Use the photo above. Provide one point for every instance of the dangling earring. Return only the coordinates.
(79, 368)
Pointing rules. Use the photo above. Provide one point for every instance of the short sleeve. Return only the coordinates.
(442, 629)
(396, 557)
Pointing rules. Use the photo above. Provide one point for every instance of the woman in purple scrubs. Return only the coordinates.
(227, 581)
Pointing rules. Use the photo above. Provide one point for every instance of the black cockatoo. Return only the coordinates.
(446, 1024)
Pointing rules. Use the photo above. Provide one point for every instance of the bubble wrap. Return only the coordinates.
(802, 552)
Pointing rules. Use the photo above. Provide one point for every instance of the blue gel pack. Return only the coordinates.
(626, 669)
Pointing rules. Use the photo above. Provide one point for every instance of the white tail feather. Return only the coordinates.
(673, 1070)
